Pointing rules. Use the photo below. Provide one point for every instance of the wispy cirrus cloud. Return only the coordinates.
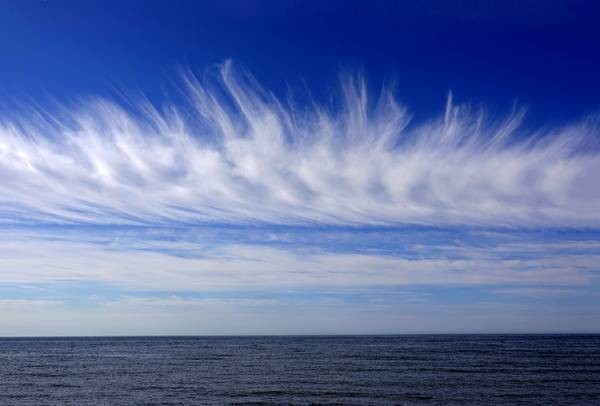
(237, 154)
(170, 266)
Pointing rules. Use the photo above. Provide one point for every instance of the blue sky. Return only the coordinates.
(267, 167)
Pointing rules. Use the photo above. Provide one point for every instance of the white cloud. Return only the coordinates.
(236, 154)
(535, 292)
(179, 302)
(261, 268)
(20, 304)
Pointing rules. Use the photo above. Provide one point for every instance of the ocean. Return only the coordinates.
(280, 370)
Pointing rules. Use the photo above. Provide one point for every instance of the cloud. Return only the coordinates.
(234, 153)
(242, 267)
(535, 292)
(179, 302)
(19, 304)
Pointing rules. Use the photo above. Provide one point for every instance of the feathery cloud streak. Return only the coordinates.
(236, 154)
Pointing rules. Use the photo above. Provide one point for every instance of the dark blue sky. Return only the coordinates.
(543, 54)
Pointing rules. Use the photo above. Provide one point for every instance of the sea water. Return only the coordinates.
(345, 370)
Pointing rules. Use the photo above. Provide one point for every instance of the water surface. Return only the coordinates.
(348, 370)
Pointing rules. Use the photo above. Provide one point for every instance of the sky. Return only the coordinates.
(284, 167)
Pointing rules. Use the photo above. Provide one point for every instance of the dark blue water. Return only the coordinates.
(406, 370)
